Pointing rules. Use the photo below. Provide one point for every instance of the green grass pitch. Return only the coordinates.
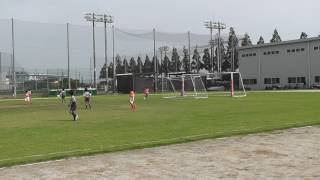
(44, 130)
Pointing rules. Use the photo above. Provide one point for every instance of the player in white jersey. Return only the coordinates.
(87, 98)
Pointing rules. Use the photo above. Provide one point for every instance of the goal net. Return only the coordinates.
(226, 84)
(184, 85)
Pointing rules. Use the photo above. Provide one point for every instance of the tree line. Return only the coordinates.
(177, 63)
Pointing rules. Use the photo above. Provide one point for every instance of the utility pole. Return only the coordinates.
(220, 26)
(155, 62)
(91, 17)
(13, 61)
(68, 49)
(113, 61)
(209, 25)
(189, 47)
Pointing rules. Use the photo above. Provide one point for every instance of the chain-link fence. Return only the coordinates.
(37, 55)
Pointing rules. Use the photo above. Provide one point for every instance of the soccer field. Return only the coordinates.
(44, 130)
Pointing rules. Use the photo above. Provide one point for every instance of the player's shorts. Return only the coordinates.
(27, 99)
(87, 99)
(73, 107)
(131, 100)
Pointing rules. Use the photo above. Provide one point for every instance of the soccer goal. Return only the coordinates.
(226, 84)
(184, 85)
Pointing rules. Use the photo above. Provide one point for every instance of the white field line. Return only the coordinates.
(134, 144)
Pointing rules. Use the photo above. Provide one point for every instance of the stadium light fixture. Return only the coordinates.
(219, 26)
(209, 25)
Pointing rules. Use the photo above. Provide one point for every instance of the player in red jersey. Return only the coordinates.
(146, 93)
(27, 98)
(131, 100)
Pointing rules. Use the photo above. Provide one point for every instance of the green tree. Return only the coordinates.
(185, 60)
(132, 65)
(139, 65)
(303, 35)
(246, 41)
(261, 40)
(166, 65)
(157, 65)
(147, 68)
(103, 72)
(176, 63)
(110, 70)
(231, 54)
(196, 63)
(119, 68)
(125, 65)
(206, 59)
(275, 37)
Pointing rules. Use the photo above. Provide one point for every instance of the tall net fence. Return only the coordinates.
(42, 50)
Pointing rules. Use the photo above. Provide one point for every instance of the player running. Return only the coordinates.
(146, 93)
(63, 95)
(27, 98)
(73, 106)
(87, 98)
(131, 100)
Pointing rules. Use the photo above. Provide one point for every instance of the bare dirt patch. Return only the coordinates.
(293, 153)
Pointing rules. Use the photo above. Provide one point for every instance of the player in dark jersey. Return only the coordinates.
(73, 106)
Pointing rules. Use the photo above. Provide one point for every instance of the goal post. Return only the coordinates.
(226, 84)
(184, 85)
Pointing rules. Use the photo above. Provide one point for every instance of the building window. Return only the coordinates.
(243, 55)
(272, 52)
(267, 81)
(250, 54)
(277, 52)
(249, 81)
(293, 50)
(292, 80)
(302, 49)
(317, 79)
(275, 80)
(254, 54)
(264, 53)
(298, 50)
(316, 48)
(288, 50)
(301, 80)
(269, 52)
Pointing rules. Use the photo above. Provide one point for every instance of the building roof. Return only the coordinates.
(279, 43)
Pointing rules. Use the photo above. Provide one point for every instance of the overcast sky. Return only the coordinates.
(257, 17)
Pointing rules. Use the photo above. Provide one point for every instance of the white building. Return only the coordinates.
(286, 64)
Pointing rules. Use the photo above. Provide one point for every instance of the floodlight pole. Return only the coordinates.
(68, 49)
(155, 61)
(209, 25)
(91, 17)
(220, 26)
(105, 19)
(13, 61)
(189, 47)
(113, 61)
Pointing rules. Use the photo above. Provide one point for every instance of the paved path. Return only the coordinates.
(293, 153)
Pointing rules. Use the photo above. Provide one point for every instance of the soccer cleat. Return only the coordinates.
(77, 117)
